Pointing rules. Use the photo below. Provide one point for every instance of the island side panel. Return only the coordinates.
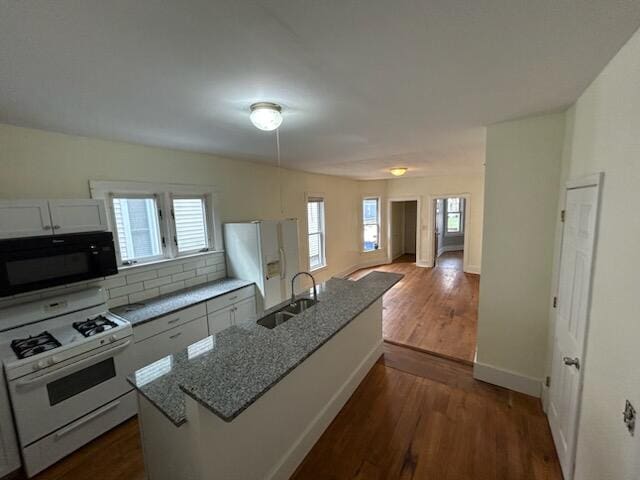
(271, 438)
(165, 447)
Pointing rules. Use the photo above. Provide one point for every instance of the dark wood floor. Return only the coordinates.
(432, 309)
(116, 455)
(415, 416)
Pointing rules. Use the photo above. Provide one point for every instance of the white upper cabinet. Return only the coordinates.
(73, 216)
(24, 218)
(31, 218)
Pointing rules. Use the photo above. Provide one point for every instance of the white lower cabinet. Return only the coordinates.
(220, 320)
(170, 341)
(176, 331)
(239, 309)
(245, 311)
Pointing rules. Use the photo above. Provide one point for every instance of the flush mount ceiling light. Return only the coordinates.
(398, 171)
(266, 115)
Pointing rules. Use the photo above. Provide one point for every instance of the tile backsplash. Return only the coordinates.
(140, 283)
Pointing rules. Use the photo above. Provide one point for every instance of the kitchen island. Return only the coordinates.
(250, 402)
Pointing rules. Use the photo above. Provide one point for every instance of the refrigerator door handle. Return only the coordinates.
(283, 264)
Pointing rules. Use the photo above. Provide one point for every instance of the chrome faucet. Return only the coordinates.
(315, 291)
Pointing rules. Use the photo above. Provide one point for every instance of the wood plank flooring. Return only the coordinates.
(116, 455)
(415, 416)
(432, 309)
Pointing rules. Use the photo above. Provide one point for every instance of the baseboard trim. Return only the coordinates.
(450, 248)
(354, 268)
(294, 457)
(507, 379)
(475, 269)
(345, 273)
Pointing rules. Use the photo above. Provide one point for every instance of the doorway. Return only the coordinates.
(403, 226)
(433, 310)
(449, 232)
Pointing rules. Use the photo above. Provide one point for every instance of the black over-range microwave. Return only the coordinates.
(28, 264)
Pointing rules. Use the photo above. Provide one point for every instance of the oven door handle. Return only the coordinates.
(86, 419)
(74, 366)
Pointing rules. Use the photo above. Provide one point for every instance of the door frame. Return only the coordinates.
(585, 181)
(431, 223)
(416, 199)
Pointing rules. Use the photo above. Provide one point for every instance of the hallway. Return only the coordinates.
(432, 309)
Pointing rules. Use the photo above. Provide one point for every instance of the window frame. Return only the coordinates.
(378, 223)
(317, 198)
(460, 211)
(116, 237)
(163, 194)
(208, 224)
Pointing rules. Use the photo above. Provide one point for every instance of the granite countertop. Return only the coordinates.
(230, 370)
(138, 313)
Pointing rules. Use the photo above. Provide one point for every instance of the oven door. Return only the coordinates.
(51, 398)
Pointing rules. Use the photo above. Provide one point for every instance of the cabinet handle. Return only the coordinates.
(47, 227)
(175, 335)
(56, 227)
(233, 298)
(175, 320)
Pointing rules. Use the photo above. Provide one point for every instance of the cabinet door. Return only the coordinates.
(220, 320)
(244, 311)
(24, 218)
(172, 341)
(73, 216)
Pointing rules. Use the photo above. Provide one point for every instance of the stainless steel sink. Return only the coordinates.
(286, 313)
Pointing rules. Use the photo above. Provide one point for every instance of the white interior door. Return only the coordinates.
(574, 288)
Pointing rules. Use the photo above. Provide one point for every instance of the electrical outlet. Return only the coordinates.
(629, 416)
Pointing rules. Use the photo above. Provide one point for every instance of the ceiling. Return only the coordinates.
(365, 85)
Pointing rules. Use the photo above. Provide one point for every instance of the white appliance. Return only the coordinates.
(65, 362)
(264, 252)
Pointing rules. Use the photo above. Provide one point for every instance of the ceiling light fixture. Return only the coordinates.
(398, 171)
(266, 115)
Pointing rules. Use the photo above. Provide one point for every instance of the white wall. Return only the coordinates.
(522, 180)
(39, 164)
(603, 134)
(426, 187)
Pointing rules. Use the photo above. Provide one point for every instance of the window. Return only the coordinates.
(189, 215)
(153, 222)
(371, 224)
(455, 215)
(137, 228)
(315, 227)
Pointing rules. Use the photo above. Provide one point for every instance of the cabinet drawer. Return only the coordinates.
(229, 299)
(171, 341)
(163, 324)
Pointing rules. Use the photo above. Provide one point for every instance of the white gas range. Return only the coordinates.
(65, 362)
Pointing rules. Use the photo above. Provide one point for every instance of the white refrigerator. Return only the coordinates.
(265, 252)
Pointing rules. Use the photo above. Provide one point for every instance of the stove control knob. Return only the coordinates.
(113, 338)
(40, 364)
(53, 360)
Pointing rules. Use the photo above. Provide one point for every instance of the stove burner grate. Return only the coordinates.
(93, 326)
(28, 347)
